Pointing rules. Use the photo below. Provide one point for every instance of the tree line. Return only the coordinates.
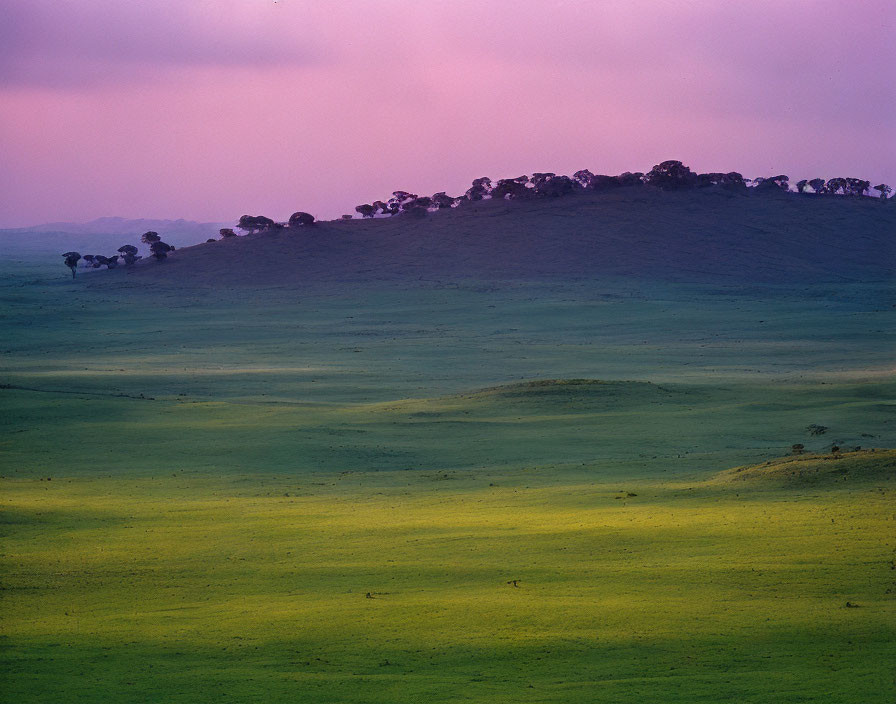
(668, 175)
(128, 254)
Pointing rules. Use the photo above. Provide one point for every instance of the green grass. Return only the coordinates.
(197, 588)
(199, 493)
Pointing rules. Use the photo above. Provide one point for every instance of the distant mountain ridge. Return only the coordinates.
(105, 235)
(124, 226)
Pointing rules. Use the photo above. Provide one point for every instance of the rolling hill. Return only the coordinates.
(691, 236)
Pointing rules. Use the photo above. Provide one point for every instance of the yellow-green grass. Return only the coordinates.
(203, 589)
(198, 493)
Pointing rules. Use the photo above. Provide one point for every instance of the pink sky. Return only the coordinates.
(206, 109)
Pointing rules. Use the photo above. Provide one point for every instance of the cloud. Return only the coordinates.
(76, 43)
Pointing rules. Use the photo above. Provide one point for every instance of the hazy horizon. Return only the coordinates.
(180, 110)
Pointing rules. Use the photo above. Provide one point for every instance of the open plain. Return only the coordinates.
(540, 455)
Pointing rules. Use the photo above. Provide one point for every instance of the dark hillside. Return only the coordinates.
(702, 235)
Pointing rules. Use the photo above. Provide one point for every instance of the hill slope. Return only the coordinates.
(704, 235)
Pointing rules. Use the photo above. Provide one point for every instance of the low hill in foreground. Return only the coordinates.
(703, 235)
(857, 465)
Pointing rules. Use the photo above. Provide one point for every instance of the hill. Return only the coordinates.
(857, 465)
(696, 235)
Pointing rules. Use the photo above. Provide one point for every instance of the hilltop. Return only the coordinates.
(704, 235)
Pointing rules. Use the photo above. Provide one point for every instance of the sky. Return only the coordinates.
(210, 109)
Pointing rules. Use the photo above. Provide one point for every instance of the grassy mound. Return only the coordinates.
(872, 464)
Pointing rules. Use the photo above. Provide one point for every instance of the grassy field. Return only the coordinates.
(323, 495)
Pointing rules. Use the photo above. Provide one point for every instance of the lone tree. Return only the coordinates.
(299, 219)
(150, 237)
(160, 250)
(225, 232)
(129, 254)
(255, 223)
(884, 189)
(71, 261)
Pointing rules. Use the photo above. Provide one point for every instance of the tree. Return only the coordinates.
(301, 219)
(366, 210)
(780, 182)
(210, 239)
(150, 237)
(553, 186)
(129, 254)
(112, 262)
(480, 189)
(671, 175)
(226, 232)
(89, 258)
(255, 223)
(398, 199)
(856, 186)
(817, 185)
(346, 217)
(884, 189)
(512, 188)
(583, 178)
(441, 200)
(160, 250)
(801, 185)
(381, 207)
(71, 261)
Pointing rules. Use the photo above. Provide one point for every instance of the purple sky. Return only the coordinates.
(206, 109)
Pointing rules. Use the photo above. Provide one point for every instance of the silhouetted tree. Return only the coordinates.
(129, 254)
(210, 239)
(226, 232)
(856, 186)
(71, 261)
(160, 250)
(255, 223)
(381, 207)
(441, 200)
(801, 185)
(552, 186)
(112, 262)
(366, 210)
(835, 184)
(773, 183)
(512, 188)
(818, 185)
(398, 199)
(480, 189)
(884, 189)
(150, 237)
(671, 175)
(301, 219)
(583, 178)
(89, 258)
